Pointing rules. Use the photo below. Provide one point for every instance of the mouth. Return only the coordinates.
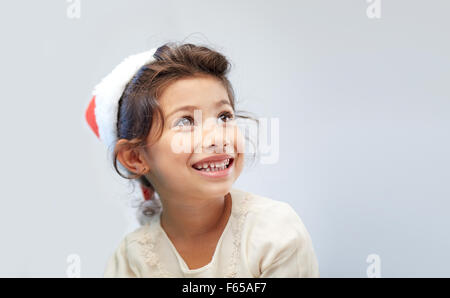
(215, 169)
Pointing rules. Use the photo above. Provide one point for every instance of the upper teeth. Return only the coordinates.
(213, 165)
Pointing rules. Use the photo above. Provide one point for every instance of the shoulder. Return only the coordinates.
(139, 235)
(276, 241)
(273, 231)
(132, 242)
(136, 246)
(125, 261)
(269, 213)
(254, 204)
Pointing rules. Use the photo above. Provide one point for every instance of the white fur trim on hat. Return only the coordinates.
(108, 92)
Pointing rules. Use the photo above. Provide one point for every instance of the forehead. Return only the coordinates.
(197, 91)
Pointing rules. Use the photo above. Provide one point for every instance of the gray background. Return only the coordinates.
(364, 124)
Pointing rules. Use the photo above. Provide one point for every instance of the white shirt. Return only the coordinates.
(262, 238)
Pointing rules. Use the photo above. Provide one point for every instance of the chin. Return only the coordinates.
(215, 189)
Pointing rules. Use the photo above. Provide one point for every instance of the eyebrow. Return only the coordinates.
(191, 108)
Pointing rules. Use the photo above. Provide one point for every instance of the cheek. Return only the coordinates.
(239, 147)
(180, 142)
(166, 161)
(234, 135)
(238, 165)
(237, 139)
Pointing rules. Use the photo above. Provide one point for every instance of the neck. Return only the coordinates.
(191, 218)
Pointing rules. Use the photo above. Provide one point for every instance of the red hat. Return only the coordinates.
(102, 111)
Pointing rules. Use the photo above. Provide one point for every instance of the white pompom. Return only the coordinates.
(148, 208)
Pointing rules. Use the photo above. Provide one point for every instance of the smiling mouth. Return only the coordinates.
(214, 166)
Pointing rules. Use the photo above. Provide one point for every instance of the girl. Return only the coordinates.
(168, 118)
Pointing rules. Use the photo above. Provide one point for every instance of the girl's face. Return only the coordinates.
(199, 123)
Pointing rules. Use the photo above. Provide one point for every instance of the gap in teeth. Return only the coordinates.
(214, 167)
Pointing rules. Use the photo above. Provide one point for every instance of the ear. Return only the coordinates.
(131, 158)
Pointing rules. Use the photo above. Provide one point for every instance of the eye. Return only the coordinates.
(226, 116)
(184, 122)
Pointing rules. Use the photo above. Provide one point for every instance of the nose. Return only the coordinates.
(215, 138)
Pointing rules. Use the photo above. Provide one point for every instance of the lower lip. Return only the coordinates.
(217, 174)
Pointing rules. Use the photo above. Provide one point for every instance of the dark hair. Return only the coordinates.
(139, 112)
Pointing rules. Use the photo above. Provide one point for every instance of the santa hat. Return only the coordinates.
(102, 111)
